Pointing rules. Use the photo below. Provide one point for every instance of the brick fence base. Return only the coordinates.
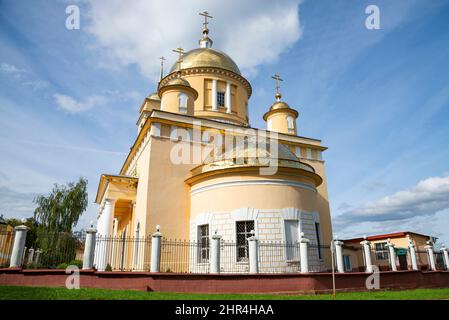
(229, 283)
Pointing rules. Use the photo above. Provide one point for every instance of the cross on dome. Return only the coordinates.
(278, 93)
(205, 41)
(180, 51)
(206, 15)
(162, 67)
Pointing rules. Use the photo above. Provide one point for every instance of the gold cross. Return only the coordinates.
(206, 15)
(277, 78)
(180, 51)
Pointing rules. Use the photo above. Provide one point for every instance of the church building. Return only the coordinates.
(203, 100)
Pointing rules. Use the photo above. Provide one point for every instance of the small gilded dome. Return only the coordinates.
(279, 105)
(178, 81)
(207, 57)
(154, 96)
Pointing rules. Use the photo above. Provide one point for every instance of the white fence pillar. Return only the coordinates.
(392, 256)
(156, 250)
(18, 248)
(89, 248)
(430, 255)
(367, 254)
(445, 256)
(339, 255)
(412, 250)
(253, 246)
(215, 253)
(303, 253)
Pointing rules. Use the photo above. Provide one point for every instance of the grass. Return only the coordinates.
(45, 293)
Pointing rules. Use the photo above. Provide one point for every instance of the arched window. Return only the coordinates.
(182, 102)
(269, 124)
(290, 124)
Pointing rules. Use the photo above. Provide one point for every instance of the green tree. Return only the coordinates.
(62, 208)
(57, 214)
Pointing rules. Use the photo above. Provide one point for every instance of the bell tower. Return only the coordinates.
(281, 118)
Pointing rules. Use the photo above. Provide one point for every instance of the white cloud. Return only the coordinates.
(423, 207)
(23, 76)
(72, 105)
(252, 32)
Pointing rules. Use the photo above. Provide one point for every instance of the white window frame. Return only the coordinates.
(183, 100)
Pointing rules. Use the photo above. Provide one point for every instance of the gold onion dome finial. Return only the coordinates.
(205, 41)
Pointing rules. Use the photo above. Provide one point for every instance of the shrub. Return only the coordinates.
(62, 266)
(77, 263)
(108, 268)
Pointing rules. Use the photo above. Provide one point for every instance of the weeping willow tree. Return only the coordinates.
(57, 214)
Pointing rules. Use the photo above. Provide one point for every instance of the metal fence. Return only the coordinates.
(122, 253)
(6, 244)
(54, 251)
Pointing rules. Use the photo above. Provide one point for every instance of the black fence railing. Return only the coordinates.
(6, 245)
(122, 253)
(54, 251)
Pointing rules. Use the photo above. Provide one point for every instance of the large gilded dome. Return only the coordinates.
(207, 57)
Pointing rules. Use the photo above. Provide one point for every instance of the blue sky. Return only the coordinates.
(379, 99)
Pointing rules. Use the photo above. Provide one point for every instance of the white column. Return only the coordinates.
(392, 256)
(228, 98)
(411, 247)
(303, 253)
(214, 94)
(445, 256)
(108, 213)
(253, 246)
(215, 253)
(430, 255)
(156, 251)
(89, 248)
(105, 231)
(18, 248)
(367, 253)
(115, 226)
(339, 256)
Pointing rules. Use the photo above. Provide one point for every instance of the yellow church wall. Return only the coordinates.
(279, 122)
(202, 82)
(255, 196)
(167, 196)
(170, 101)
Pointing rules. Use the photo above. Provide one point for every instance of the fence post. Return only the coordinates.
(367, 254)
(30, 257)
(215, 253)
(445, 256)
(253, 246)
(392, 255)
(37, 255)
(303, 253)
(89, 248)
(339, 256)
(430, 255)
(156, 250)
(18, 248)
(411, 247)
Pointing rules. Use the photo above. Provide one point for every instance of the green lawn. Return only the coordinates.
(40, 293)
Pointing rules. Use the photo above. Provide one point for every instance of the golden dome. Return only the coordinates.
(279, 105)
(178, 81)
(154, 96)
(207, 57)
